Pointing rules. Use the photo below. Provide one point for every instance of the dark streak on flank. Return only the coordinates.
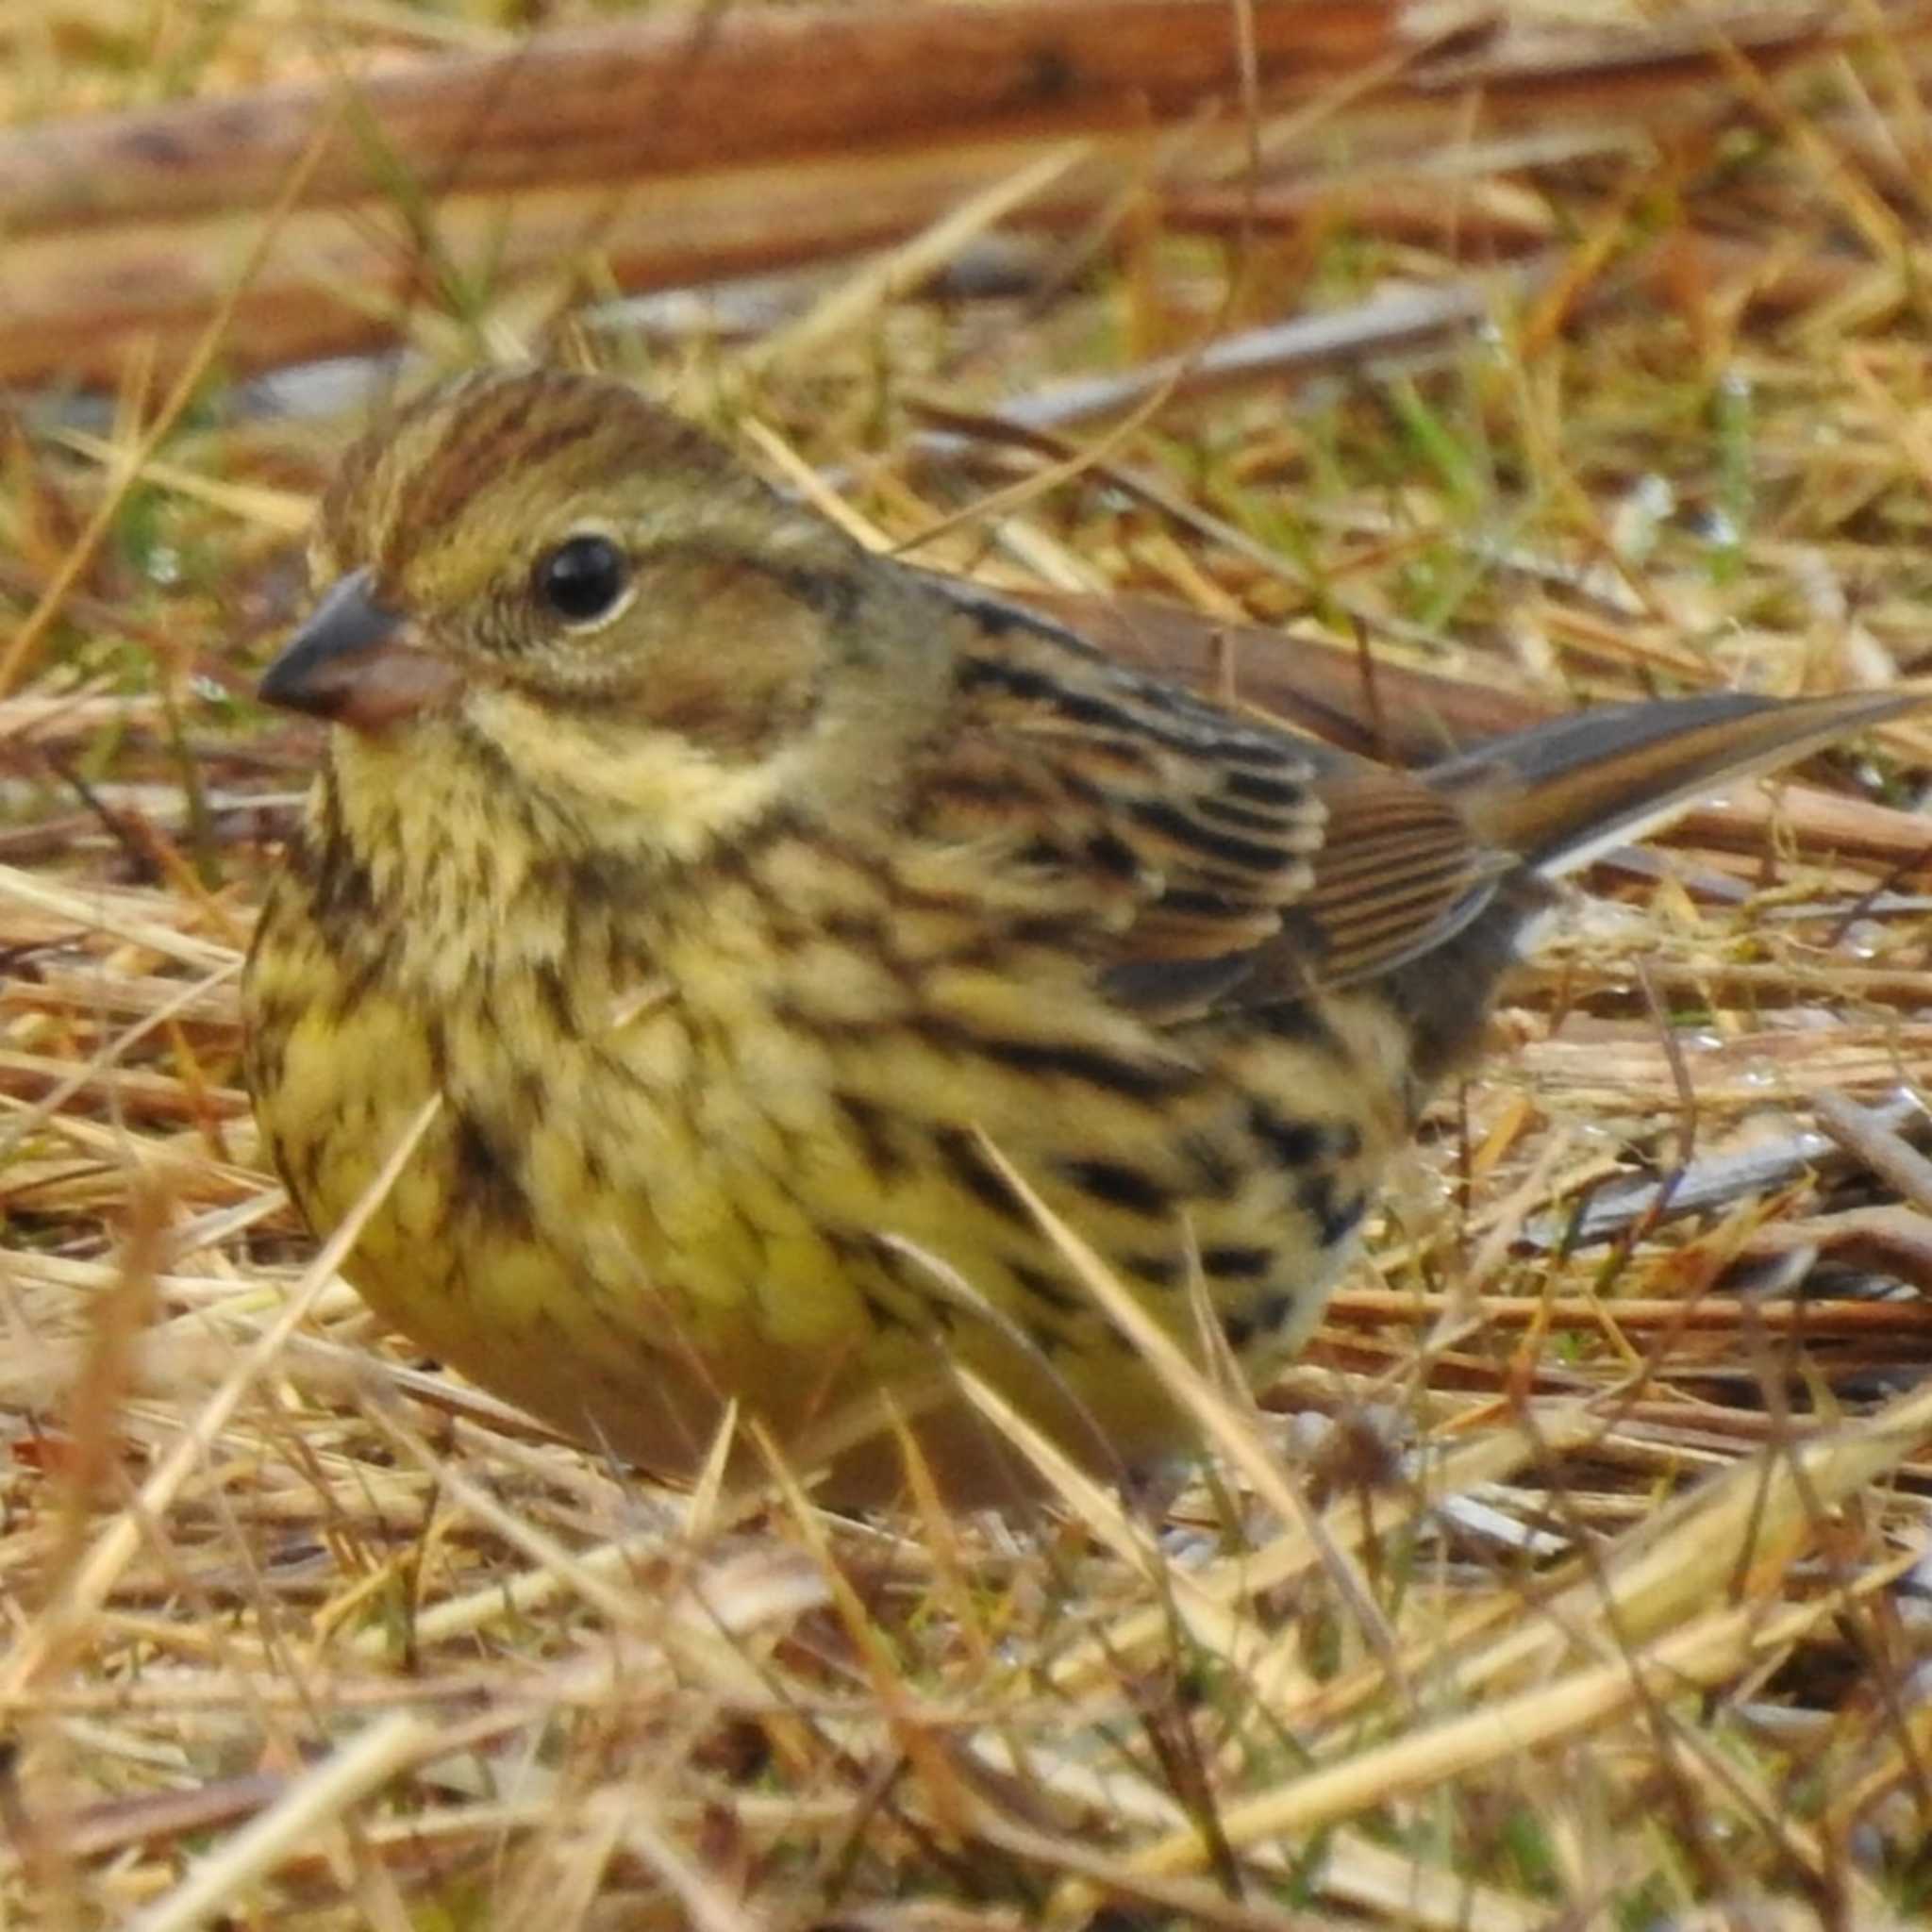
(596, 882)
(864, 1256)
(870, 1128)
(1291, 1143)
(552, 995)
(881, 1314)
(1301, 1022)
(1218, 1173)
(1347, 1218)
(933, 1311)
(1266, 1317)
(435, 1045)
(1272, 1310)
(364, 972)
(485, 1175)
(969, 1167)
(1233, 1263)
(1043, 1287)
(308, 1158)
(863, 930)
(1336, 1217)
(1091, 1066)
(265, 1050)
(299, 857)
(1119, 1186)
(1047, 1339)
(596, 1173)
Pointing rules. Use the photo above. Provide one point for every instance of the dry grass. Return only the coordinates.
(1579, 1579)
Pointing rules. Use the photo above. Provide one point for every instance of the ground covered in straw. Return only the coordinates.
(1584, 1582)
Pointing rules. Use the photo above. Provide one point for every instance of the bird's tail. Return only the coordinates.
(1560, 795)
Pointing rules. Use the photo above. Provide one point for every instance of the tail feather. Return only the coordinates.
(1560, 794)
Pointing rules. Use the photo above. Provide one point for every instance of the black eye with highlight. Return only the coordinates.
(582, 579)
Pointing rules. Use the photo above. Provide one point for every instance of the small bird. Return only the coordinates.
(755, 906)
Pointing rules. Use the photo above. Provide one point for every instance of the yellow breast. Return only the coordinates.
(735, 1153)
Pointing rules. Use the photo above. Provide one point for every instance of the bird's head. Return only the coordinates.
(545, 567)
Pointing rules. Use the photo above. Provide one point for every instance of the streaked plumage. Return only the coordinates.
(733, 921)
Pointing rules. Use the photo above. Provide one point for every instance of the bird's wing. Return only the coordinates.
(1229, 863)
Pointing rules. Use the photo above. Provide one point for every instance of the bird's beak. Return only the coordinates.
(356, 662)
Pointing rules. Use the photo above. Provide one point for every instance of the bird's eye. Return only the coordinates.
(582, 579)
